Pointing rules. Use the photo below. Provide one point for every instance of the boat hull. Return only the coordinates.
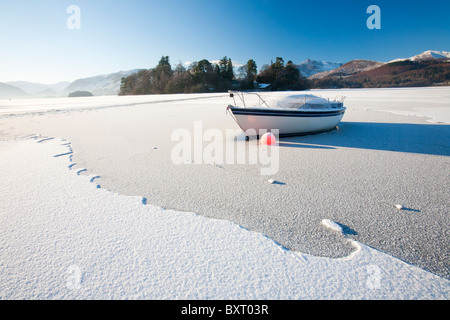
(287, 122)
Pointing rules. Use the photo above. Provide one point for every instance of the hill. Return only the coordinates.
(107, 84)
(37, 90)
(80, 94)
(8, 91)
(408, 73)
(348, 69)
(405, 73)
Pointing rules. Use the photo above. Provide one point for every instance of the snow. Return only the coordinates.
(38, 106)
(64, 236)
(429, 102)
(429, 54)
(311, 67)
(332, 225)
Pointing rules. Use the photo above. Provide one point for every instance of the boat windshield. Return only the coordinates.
(307, 102)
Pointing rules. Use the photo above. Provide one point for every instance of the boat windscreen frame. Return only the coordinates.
(241, 94)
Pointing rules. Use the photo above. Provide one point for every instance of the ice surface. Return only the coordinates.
(64, 235)
(63, 238)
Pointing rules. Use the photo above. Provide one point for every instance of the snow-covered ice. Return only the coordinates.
(65, 235)
(64, 238)
(332, 225)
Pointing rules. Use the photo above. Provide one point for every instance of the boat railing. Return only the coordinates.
(339, 98)
(241, 95)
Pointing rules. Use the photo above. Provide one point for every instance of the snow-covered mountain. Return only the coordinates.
(311, 67)
(107, 84)
(427, 55)
(348, 69)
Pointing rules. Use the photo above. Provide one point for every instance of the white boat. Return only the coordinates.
(293, 115)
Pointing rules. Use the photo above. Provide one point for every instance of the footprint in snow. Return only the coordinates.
(80, 171)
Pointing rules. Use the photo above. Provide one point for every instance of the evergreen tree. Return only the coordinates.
(288, 77)
(251, 70)
(161, 76)
(223, 67)
(278, 65)
(226, 68)
(229, 72)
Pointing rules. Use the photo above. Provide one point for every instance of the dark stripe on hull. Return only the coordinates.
(285, 113)
(295, 134)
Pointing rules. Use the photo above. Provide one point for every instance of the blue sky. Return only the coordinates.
(36, 45)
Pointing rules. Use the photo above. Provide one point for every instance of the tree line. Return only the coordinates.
(205, 76)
